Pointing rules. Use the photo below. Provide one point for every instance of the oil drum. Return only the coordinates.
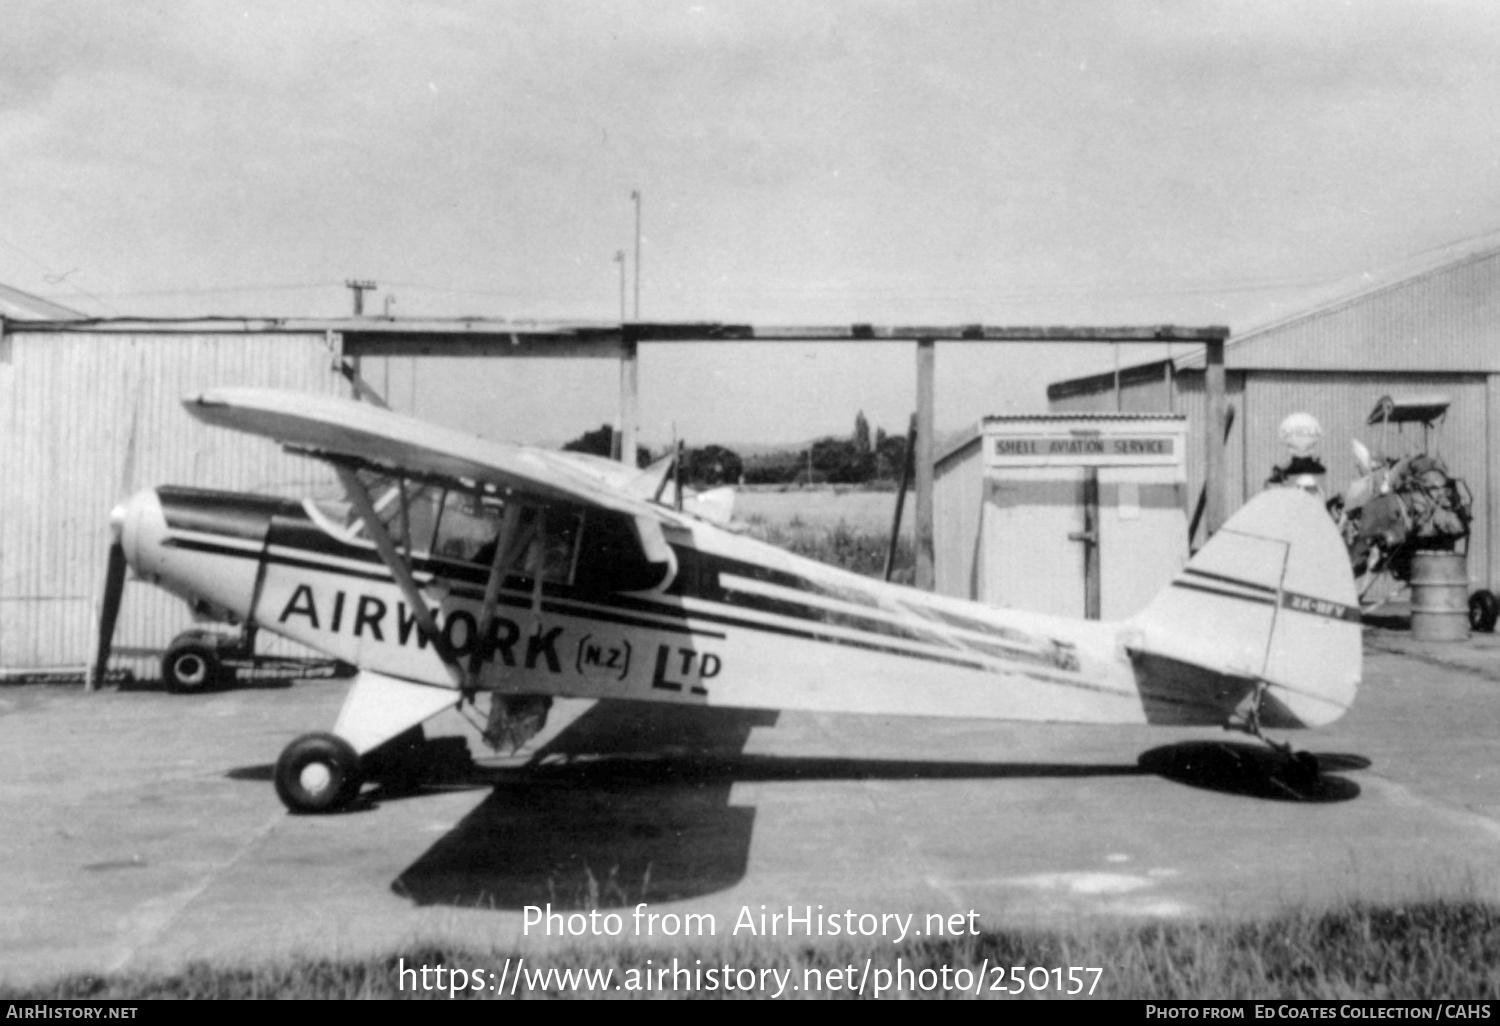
(1439, 596)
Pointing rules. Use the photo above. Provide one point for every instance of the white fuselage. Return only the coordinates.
(739, 623)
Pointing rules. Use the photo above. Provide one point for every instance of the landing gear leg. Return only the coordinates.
(378, 728)
(1300, 769)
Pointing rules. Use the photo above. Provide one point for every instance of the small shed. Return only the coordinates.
(1082, 516)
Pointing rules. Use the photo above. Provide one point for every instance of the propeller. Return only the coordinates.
(109, 612)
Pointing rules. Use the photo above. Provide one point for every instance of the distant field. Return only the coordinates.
(821, 508)
(846, 527)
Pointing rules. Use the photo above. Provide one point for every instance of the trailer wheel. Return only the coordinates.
(1484, 608)
(317, 773)
(191, 666)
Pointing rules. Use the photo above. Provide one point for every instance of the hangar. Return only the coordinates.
(89, 411)
(1428, 326)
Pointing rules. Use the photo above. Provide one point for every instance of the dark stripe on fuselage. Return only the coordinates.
(229, 514)
(698, 578)
(611, 608)
(600, 607)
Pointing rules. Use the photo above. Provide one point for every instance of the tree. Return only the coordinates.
(601, 442)
(861, 434)
(712, 465)
(839, 461)
(890, 451)
(779, 467)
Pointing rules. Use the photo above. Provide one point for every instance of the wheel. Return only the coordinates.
(1484, 608)
(317, 773)
(191, 666)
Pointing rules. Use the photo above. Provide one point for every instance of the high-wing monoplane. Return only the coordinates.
(462, 571)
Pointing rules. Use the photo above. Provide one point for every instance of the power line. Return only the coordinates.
(226, 290)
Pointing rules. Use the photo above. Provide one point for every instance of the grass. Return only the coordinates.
(1438, 950)
(842, 527)
(841, 545)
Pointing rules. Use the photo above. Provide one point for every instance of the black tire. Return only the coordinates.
(318, 773)
(1484, 608)
(190, 667)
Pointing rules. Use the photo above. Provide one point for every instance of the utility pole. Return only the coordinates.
(359, 287)
(635, 194)
(620, 259)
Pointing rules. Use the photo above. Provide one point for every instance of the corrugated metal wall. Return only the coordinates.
(1342, 403)
(957, 506)
(88, 418)
(1446, 320)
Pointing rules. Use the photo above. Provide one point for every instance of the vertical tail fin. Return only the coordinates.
(1269, 599)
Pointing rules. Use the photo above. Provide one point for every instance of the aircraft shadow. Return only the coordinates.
(631, 802)
(616, 831)
(1252, 770)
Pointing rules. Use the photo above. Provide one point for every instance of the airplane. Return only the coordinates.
(467, 572)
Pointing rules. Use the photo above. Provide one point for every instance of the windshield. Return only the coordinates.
(461, 525)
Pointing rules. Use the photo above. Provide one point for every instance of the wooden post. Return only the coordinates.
(926, 450)
(1485, 575)
(1092, 593)
(629, 396)
(1215, 461)
(906, 462)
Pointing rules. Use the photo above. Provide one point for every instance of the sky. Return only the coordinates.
(811, 162)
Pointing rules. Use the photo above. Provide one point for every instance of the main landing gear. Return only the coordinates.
(318, 773)
(378, 737)
(322, 772)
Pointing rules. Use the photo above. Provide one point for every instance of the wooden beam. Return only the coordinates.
(1215, 462)
(603, 345)
(709, 332)
(479, 336)
(926, 450)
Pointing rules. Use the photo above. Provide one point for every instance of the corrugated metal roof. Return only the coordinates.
(23, 306)
(1423, 267)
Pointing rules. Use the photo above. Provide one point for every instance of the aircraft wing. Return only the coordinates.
(330, 427)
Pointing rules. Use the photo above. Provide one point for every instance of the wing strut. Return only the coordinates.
(401, 570)
(507, 549)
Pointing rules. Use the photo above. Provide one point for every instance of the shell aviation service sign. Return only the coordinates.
(1082, 449)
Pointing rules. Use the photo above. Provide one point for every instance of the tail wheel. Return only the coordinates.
(318, 773)
(191, 666)
(1484, 609)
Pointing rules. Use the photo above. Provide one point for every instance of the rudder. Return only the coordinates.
(1269, 599)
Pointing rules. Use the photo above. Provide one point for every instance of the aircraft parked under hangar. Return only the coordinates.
(462, 572)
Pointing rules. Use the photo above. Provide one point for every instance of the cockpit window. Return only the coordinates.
(407, 509)
(460, 524)
(467, 527)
